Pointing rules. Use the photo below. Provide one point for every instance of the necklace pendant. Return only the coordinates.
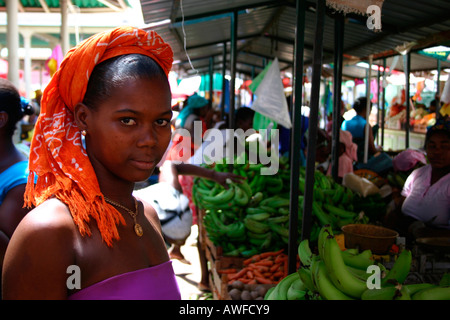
(138, 229)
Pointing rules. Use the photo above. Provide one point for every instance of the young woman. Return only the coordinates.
(104, 125)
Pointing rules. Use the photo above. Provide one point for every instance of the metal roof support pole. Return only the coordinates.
(65, 45)
(296, 134)
(12, 40)
(368, 110)
(233, 52)
(378, 104)
(383, 100)
(338, 55)
(211, 79)
(224, 71)
(253, 77)
(407, 60)
(313, 119)
(438, 84)
(438, 88)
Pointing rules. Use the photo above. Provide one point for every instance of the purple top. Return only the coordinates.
(154, 283)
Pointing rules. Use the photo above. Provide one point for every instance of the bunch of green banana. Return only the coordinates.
(268, 184)
(397, 178)
(262, 225)
(221, 229)
(373, 206)
(290, 287)
(267, 222)
(333, 203)
(333, 274)
(211, 195)
(393, 287)
(326, 213)
(341, 277)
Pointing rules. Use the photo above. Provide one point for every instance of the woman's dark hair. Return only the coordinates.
(10, 102)
(440, 127)
(111, 73)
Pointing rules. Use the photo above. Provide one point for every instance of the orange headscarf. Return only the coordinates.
(56, 156)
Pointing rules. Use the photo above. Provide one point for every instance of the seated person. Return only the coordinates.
(425, 201)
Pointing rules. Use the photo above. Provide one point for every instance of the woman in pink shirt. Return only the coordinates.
(347, 153)
(426, 203)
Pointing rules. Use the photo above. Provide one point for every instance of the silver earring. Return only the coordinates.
(83, 139)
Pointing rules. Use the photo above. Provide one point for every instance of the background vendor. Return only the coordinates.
(357, 127)
(425, 202)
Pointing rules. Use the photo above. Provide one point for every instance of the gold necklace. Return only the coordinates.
(137, 227)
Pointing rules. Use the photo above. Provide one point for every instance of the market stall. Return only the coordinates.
(259, 260)
(265, 231)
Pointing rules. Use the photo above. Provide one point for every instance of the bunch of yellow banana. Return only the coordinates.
(334, 274)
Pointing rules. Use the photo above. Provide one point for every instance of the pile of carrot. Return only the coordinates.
(264, 268)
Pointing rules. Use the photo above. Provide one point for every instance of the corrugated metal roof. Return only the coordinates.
(85, 6)
(266, 29)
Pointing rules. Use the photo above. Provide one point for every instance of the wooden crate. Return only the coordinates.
(217, 261)
(219, 285)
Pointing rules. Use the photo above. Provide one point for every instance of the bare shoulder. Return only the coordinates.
(51, 218)
(150, 213)
(40, 250)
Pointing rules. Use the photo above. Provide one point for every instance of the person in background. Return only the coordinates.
(357, 127)
(347, 153)
(434, 104)
(196, 109)
(172, 206)
(13, 165)
(425, 198)
(243, 119)
(329, 126)
(104, 125)
(28, 121)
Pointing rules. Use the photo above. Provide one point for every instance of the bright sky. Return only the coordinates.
(132, 17)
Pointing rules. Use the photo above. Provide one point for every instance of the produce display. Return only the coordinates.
(244, 291)
(250, 221)
(421, 116)
(253, 217)
(334, 274)
(264, 268)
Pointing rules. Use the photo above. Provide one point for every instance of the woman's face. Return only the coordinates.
(129, 132)
(438, 150)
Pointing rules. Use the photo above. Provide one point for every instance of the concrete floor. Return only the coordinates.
(189, 275)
